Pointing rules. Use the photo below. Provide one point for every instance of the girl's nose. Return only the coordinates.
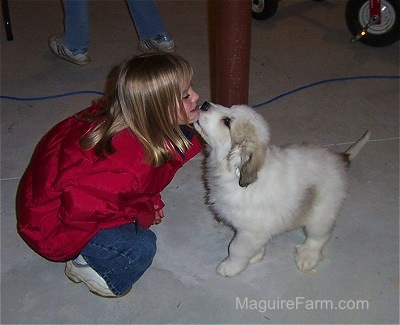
(195, 96)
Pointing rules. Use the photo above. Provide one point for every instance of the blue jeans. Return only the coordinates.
(144, 13)
(120, 255)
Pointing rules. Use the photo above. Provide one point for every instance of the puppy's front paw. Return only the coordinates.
(307, 258)
(230, 268)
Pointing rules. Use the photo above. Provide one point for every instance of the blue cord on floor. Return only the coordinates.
(25, 99)
(323, 82)
(254, 106)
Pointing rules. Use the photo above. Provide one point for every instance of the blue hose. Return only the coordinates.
(26, 99)
(320, 83)
(254, 106)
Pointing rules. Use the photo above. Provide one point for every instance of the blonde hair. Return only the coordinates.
(147, 100)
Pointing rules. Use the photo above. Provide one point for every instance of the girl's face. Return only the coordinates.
(190, 102)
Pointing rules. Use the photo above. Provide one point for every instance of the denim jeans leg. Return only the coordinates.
(147, 18)
(120, 255)
(76, 24)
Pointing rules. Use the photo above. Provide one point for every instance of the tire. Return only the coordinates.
(383, 34)
(263, 9)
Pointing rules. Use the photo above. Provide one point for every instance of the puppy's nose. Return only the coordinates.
(205, 106)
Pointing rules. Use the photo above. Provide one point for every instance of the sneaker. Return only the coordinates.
(79, 57)
(163, 42)
(79, 271)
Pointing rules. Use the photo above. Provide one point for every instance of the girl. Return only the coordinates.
(92, 188)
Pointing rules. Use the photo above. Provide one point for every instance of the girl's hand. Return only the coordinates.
(158, 215)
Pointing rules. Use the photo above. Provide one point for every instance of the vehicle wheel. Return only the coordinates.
(264, 9)
(383, 34)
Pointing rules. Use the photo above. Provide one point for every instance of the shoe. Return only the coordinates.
(163, 42)
(78, 271)
(71, 55)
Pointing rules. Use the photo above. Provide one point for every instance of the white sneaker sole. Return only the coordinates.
(90, 278)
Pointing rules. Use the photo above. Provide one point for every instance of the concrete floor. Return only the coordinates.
(304, 43)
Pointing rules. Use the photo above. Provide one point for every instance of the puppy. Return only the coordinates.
(262, 190)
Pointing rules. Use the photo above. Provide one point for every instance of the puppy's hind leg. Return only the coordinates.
(310, 254)
(258, 257)
(318, 229)
(246, 247)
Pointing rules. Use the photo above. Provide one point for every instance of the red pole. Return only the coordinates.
(233, 51)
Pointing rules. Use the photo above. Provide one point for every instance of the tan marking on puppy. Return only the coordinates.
(250, 149)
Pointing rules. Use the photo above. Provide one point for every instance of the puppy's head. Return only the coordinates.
(237, 134)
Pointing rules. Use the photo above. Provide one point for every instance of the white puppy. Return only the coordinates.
(262, 190)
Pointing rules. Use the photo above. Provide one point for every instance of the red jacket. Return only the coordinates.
(68, 194)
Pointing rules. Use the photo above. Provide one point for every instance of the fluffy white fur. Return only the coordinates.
(263, 190)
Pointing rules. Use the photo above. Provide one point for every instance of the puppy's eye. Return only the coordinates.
(227, 122)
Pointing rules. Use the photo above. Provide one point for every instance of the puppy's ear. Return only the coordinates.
(250, 152)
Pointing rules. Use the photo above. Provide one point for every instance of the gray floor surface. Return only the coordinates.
(306, 42)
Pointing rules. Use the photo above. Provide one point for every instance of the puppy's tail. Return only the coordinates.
(355, 148)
